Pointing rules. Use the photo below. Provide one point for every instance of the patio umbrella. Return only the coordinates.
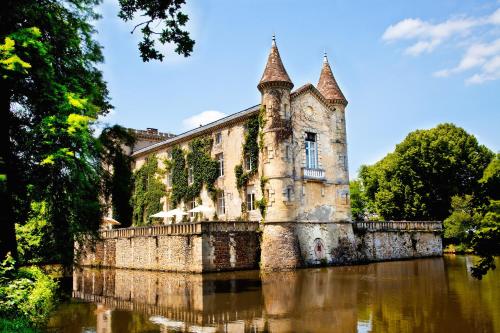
(109, 220)
(201, 209)
(170, 213)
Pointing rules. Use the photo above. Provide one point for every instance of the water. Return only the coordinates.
(424, 295)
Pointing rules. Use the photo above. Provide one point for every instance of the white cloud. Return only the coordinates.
(202, 118)
(479, 55)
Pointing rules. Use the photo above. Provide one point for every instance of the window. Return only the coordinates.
(221, 205)
(266, 155)
(192, 204)
(218, 138)
(288, 153)
(287, 112)
(169, 179)
(248, 163)
(190, 175)
(343, 162)
(220, 167)
(311, 151)
(250, 201)
(289, 194)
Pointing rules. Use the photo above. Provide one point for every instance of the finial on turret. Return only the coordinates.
(274, 39)
(325, 58)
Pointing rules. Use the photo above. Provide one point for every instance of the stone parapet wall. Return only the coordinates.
(190, 247)
(399, 225)
(224, 246)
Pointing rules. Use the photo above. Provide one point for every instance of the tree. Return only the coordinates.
(418, 180)
(117, 181)
(358, 204)
(51, 94)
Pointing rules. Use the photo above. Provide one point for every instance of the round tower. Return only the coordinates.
(275, 87)
(279, 246)
(329, 88)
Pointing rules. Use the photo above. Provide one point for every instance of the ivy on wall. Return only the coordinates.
(148, 191)
(250, 150)
(205, 171)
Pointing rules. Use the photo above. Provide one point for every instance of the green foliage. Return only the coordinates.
(462, 219)
(148, 191)
(26, 293)
(418, 180)
(18, 325)
(33, 237)
(154, 14)
(179, 176)
(250, 149)
(491, 178)
(358, 201)
(117, 180)
(205, 171)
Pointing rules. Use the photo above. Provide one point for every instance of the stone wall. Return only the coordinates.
(305, 244)
(224, 246)
(397, 240)
(195, 247)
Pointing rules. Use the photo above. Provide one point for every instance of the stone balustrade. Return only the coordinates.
(399, 226)
(195, 228)
(314, 174)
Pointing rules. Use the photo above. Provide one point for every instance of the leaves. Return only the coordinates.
(418, 180)
(164, 15)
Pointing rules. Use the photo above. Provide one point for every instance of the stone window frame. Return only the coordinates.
(221, 204)
(218, 138)
(311, 148)
(288, 194)
(319, 146)
(248, 162)
(250, 199)
(342, 162)
(192, 205)
(220, 159)
(190, 175)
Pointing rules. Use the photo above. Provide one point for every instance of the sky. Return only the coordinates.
(403, 65)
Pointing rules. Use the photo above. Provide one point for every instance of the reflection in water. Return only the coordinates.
(426, 295)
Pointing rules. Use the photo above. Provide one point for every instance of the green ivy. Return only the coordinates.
(251, 149)
(205, 171)
(148, 191)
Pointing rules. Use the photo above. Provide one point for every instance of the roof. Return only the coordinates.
(223, 122)
(234, 118)
(328, 86)
(274, 72)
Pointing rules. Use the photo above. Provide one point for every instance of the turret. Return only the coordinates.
(275, 87)
(329, 88)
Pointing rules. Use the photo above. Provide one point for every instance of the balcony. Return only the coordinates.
(313, 174)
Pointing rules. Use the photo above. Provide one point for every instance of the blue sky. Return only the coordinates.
(401, 66)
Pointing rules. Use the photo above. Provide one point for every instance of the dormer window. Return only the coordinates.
(311, 150)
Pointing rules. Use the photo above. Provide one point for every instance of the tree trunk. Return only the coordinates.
(8, 184)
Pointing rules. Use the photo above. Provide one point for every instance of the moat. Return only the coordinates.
(420, 295)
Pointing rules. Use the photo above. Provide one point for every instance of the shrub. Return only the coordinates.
(26, 294)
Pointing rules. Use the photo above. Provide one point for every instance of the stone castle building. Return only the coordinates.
(303, 153)
(281, 197)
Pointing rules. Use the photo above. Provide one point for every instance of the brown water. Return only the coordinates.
(425, 295)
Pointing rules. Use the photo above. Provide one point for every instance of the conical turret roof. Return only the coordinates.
(327, 85)
(275, 72)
